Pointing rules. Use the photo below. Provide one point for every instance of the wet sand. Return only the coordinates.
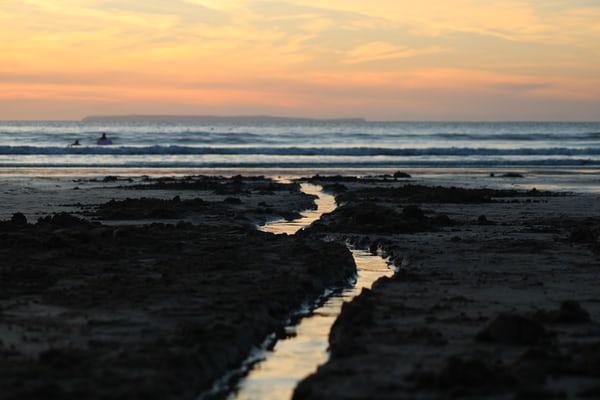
(159, 292)
(495, 297)
(108, 303)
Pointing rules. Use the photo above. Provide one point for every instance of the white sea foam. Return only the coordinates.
(335, 146)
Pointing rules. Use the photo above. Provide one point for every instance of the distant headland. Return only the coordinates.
(210, 118)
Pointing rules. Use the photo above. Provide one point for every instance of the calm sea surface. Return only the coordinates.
(552, 154)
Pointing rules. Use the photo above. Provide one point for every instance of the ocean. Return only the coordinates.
(554, 155)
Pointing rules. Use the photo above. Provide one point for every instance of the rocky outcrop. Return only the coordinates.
(156, 311)
(497, 302)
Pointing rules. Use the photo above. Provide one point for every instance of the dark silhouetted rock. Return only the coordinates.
(400, 174)
(514, 329)
(586, 358)
(18, 219)
(203, 296)
(470, 372)
(335, 188)
(365, 217)
(413, 212)
(465, 376)
(66, 220)
(355, 316)
(535, 364)
(512, 175)
(570, 312)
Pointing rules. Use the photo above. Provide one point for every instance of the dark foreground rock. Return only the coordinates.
(89, 311)
(369, 218)
(237, 200)
(503, 306)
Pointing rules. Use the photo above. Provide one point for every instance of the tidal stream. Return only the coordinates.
(279, 370)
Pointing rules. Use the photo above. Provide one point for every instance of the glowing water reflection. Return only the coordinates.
(325, 204)
(292, 359)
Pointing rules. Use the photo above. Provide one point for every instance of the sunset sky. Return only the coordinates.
(380, 59)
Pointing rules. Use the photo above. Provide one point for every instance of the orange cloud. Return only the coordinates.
(339, 57)
(376, 51)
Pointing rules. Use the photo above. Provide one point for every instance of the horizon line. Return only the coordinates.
(276, 118)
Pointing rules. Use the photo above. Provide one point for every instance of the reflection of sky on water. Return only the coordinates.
(325, 203)
(298, 356)
(293, 359)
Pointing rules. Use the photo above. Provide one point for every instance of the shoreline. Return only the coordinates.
(33, 192)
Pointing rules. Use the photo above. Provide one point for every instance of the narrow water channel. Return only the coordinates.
(280, 369)
(325, 204)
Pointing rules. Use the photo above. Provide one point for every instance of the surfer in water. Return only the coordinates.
(75, 143)
(103, 140)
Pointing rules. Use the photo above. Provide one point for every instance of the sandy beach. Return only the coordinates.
(299, 200)
(156, 288)
(495, 295)
(134, 308)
